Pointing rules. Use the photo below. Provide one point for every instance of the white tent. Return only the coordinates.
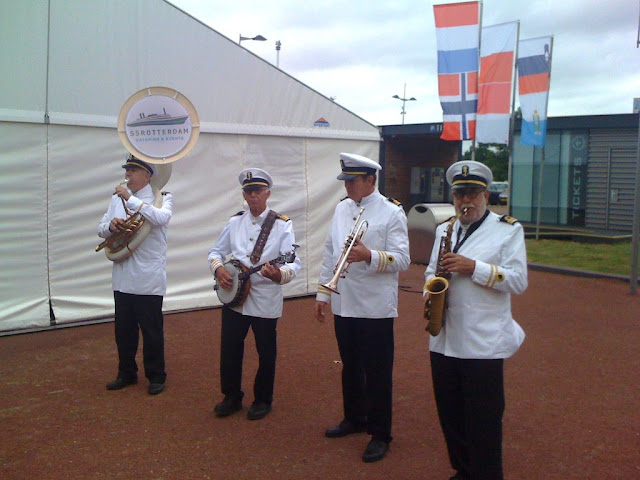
(68, 67)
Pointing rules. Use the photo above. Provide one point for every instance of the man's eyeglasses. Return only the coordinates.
(471, 193)
(257, 191)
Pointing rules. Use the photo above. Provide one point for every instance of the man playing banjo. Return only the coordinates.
(254, 237)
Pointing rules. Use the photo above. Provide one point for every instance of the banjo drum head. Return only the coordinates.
(228, 295)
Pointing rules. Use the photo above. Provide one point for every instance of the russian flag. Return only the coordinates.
(457, 38)
(534, 71)
(495, 86)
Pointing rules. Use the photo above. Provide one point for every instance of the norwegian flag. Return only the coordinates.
(458, 41)
(459, 105)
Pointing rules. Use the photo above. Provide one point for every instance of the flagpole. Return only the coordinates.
(473, 142)
(539, 188)
(638, 40)
(514, 79)
(546, 109)
(633, 281)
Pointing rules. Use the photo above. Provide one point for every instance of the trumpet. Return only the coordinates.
(342, 266)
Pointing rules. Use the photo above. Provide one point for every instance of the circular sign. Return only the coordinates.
(579, 142)
(158, 125)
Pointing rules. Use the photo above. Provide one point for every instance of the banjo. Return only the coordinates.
(240, 274)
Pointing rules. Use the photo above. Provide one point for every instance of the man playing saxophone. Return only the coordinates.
(487, 263)
(139, 280)
(367, 302)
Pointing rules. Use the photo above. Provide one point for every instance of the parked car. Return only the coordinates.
(495, 189)
(504, 196)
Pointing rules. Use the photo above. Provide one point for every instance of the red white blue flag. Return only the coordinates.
(458, 39)
(495, 86)
(534, 72)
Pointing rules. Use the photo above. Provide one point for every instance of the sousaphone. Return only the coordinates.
(158, 125)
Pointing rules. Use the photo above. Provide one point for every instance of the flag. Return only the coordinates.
(495, 85)
(534, 70)
(457, 38)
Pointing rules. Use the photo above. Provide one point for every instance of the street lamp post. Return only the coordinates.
(404, 100)
(260, 38)
(278, 45)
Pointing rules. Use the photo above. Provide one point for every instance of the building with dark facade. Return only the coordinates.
(415, 160)
(589, 170)
(589, 173)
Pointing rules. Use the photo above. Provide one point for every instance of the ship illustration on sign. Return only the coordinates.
(158, 119)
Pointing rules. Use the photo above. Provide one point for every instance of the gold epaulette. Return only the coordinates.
(394, 201)
(508, 219)
(282, 217)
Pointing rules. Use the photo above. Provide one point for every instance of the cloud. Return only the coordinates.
(363, 52)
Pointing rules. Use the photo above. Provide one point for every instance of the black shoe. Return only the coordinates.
(345, 427)
(156, 388)
(228, 406)
(459, 476)
(258, 410)
(376, 450)
(119, 383)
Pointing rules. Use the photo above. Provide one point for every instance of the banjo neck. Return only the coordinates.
(281, 260)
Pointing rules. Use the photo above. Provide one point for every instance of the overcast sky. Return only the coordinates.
(362, 52)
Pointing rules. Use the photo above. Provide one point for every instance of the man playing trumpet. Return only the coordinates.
(488, 262)
(367, 302)
(139, 280)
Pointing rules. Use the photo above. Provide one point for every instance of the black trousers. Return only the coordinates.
(135, 314)
(235, 327)
(469, 396)
(366, 349)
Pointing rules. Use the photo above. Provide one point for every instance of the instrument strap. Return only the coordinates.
(262, 238)
(472, 228)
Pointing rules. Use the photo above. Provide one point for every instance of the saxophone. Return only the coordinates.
(437, 287)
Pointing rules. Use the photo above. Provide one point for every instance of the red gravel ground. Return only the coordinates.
(572, 398)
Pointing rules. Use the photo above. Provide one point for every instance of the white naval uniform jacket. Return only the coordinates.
(368, 290)
(238, 239)
(145, 271)
(478, 322)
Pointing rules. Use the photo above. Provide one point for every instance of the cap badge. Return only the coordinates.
(465, 170)
(249, 175)
(341, 163)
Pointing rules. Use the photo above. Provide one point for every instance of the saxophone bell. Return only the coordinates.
(437, 287)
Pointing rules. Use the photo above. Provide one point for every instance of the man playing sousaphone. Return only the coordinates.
(252, 238)
(139, 278)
